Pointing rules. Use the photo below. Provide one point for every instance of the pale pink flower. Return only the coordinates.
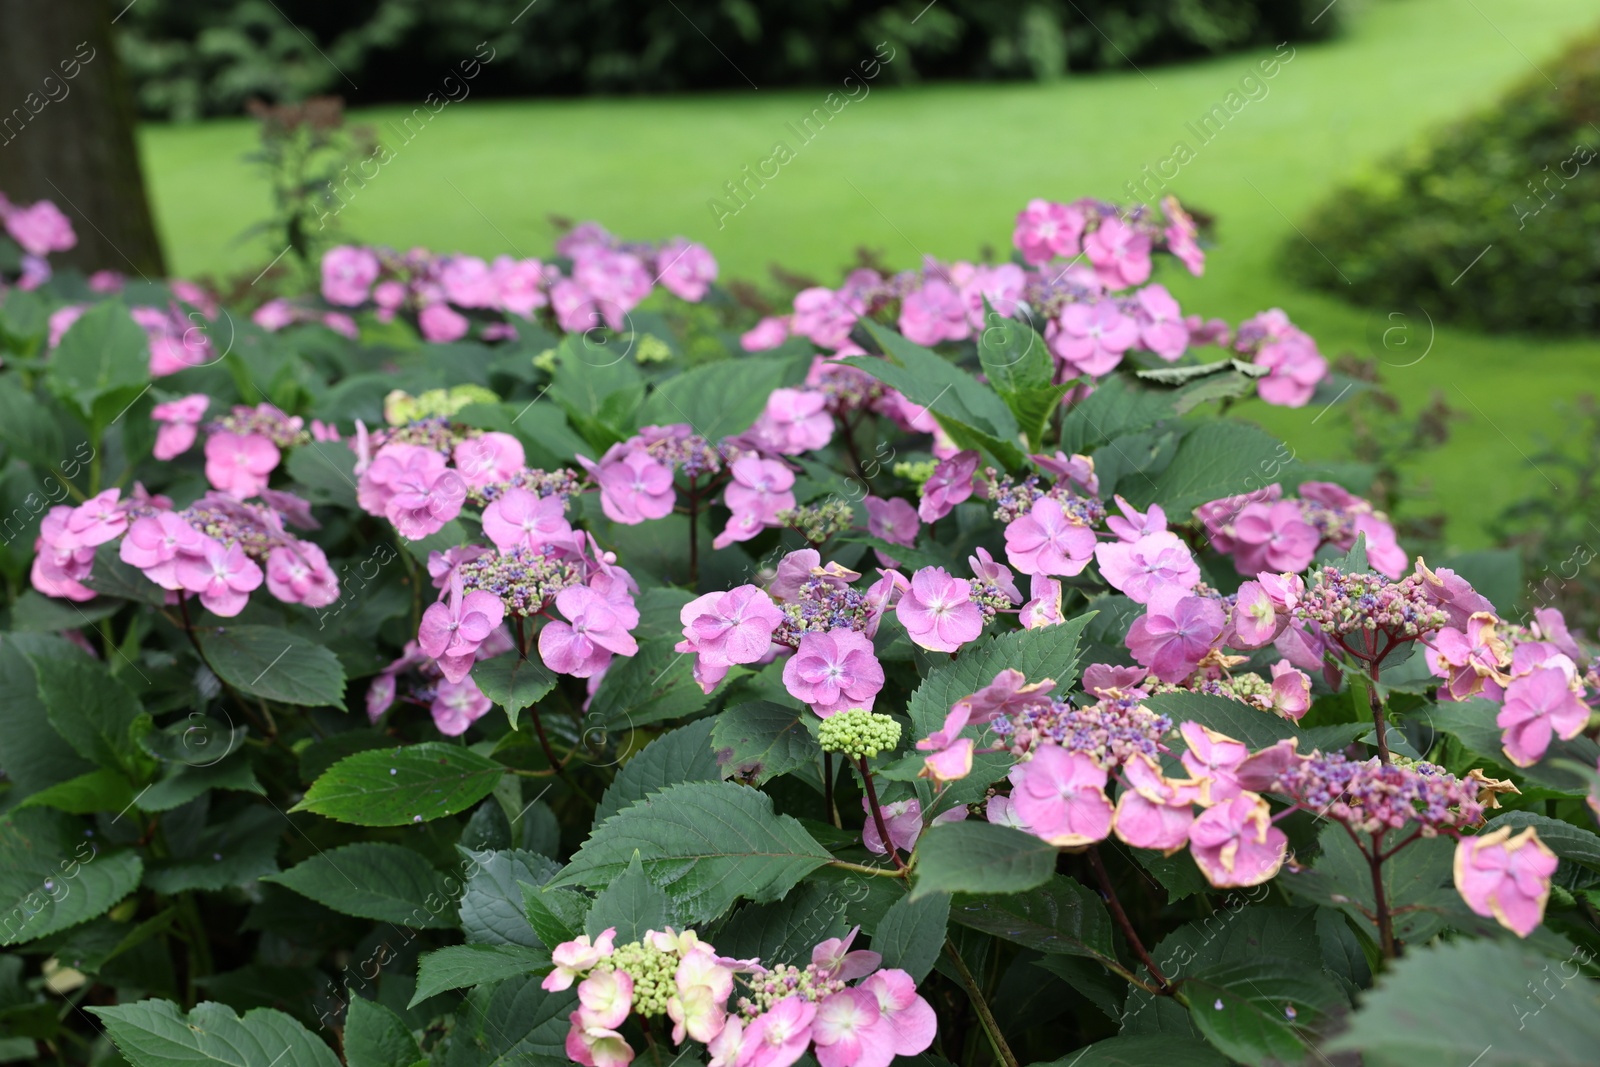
(457, 705)
(1045, 541)
(1384, 553)
(519, 285)
(99, 519)
(154, 543)
(61, 562)
(575, 958)
(760, 487)
(770, 332)
(634, 487)
(1467, 660)
(1046, 230)
(846, 1031)
(1044, 609)
(451, 630)
(239, 464)
(894, 520)
(1132, 524)
(951, 760)
(833, 957)
(301, 575)
(938, 611)
(468, 283)
(1120, 254)
(347, 275)
(1212, 759)
(605, 999)
(1537, 706)
(520, 519)
(795, 421)
(223, 577)
(1091, 337)
(179, 420)
(934, 312)
(834, 671)
(723, 629)
(1154, 811)
(908, 1018)
(1274, 538)
(594, 630)
(40, 228)
(686, 269)
(1161, 327)
(778, 1036)
(1061, 796)
(1256, 619)
(489, 458)
(1155, 561)
(950, 484)
(1505, 877)
(1291, 690)
(441, 323)
(1235, 844)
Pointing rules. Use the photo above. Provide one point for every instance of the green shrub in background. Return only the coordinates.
(190, 58)
(1518, 185)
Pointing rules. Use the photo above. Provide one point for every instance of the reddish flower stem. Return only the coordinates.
(1100, 875)
(877, 812)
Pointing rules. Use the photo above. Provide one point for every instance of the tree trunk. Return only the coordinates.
(66, 131)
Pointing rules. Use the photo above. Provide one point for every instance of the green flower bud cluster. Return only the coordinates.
(545, 361)
(648, 348)
(652, 972)
(859, 734)
(818, 522)
(400, 407)
(916, 472)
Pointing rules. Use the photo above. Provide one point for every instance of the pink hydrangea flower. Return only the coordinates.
(990, 572)
(846, 1030)
(686, 269)
(61, 562)
(1154, 811)
(1274, 537)
(1133, 524)
(834, 957)
(778, 1036)
(1045, 541)
(575, 958)
(154, 543)
(1044, 607)
(634, 487)
(301, 575)
(224, 577)
(1181, 236)
(1155, 561)
(908, 1018)
(441, 323)
(1235, 844)
(424, 495)
(824, 316)
(893, 520)
(1537, 706)
(1046, 230)
(1295, 368)
(938, 611)
(605, 999)
(618, 282)
(1120, 254)
(1061, 796)
(1291, 691)
(1213, 760)
(519, 286)
(934, 312)
(834, 671)
(1505, 877)
(950, 484)
(239, 464)
(1001, 285)
(1452, 594)
(99, 519)
(1256, 620)
(723, 629)
(574, 308)
(1467, 660)
(520, 519)
(760, 487)
(770, 332)
(795, 421)
(1091, 337)
(451, 630)
(40, 228)
(593, 632)
(489, 458)
(1161, 327)
(468, 283)
(1101, 678)
(951, 760)
(179, 420)
(347, 275)
(457, 705)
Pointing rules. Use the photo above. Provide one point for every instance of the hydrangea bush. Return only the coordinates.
(544, 661)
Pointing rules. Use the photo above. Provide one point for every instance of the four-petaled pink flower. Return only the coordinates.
(1092, 337)
(520, 519)
(238, 464)
(1291, 690)
(894, 521)
(1467, 660)
(909, 1018)
(1120, 254)
(1212, 760)
(686, 269)
(634, 487)
(347, 274)
(457, 705)
(1154, 811)
(933, 312)
(778, 1036)
(1045, 541)
(949, 485)
(723, 629)
(1235, 844)
(1256, 621)
(1538, 705)
(760, 487)
(1046, 230)
(423, 494)
(952, 754)
(1161, 327)
(1505, 877)
(1175, 633)
(179, 420)
(1044, 609)
(834, 958)
(452, 630)
(1155, 561)
(99, 519)
(154, 543)
(1273, 538)
(224, 577)
(795, 421)
(1061, 796)
(489, 458)
(1132, 524)
(834, 671)
(903, 820)
(575, 958)
(938, 611)
(847, 1031)
(595, 630)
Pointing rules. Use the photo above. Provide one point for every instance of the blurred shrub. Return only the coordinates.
(1518, 180)
(191, 58)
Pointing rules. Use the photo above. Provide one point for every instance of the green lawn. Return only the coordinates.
(943, 170)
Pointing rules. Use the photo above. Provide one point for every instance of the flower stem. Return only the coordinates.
(1379, 724)
(1385, 918)
(1002, 1051)
(877, 812)
(831, 812)
(861, 868)
(1100, 875)
(694, 537)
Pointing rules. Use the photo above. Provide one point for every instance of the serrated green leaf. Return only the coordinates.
(786, 930)
(1256, 728)
(466, 965)
(274, 664)
(514, 683)
(707, 845)
(980, 857)
(762, 740)
(102, 790)
(101, 364)
(492, 910)
(1261, 1011)
(36, 756)
(1143, 1050)
(327, 469)
(1486, 1003)
(396, 787)
(1416, 883)
(93, 710)
(654, 685)
(514, 1024)
(52, 877)
(631, 904)
(374, 1036)
(556, 915)
(681, 755)
(1117, 407)
(374, 880)
(721, 399)
(235, 852)
(1216, 459)
(911, 934)
(1059, 917)
(156, 1033)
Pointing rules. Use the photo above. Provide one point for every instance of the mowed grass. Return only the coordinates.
(942, 170)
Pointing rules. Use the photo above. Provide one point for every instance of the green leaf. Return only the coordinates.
(156, 1033)
(721, 399)
(466, 965)
(707, 845)
(915, 558)
(1060, 917)
(102, 790)
(762, 740)
(556, 915)
(1117, 407)
(911, 934)
(396, 787)
(327, 469)
(36, 756)
(631, 904)
(1416, 883)
(681, 755)
(101, 365)
(93, 709)
(980, 857)
(112, 577)
(1014, 357)
(492, 910)
(514, 1024)
(655, 684)
(374, 880)
(52, 877)
(788, 929)
(374, 1036)
(1216, 459)
(1485, 1003)
(274, 664)
(1256, 728)
(235, 852)
(1047, 652)
(514, 683)
(1141, 1050)
(1244, 1007)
